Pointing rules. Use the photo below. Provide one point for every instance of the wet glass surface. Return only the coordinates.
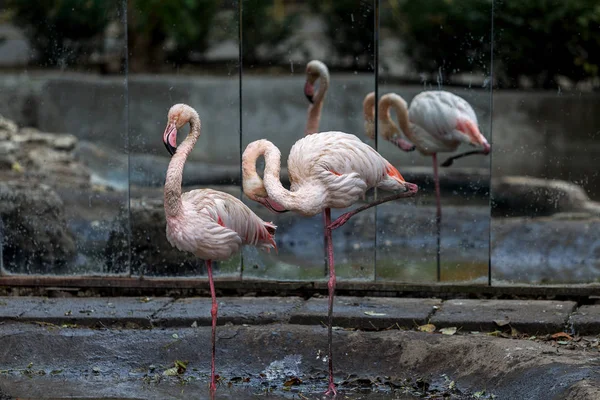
(425, 48)
(64, 165)
(84, 98)
(340, 34)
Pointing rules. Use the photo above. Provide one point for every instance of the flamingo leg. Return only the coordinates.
(438, 215)
(213, 313)
(331, 286)
(326, 240)
(342, 219)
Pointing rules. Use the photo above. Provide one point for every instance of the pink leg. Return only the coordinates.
(342, 219)
(438, 216)
(325, 238)
(213, 313)
(331, 286)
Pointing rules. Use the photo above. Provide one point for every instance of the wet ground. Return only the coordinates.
(43, 361)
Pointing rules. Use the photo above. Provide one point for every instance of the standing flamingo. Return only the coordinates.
(437, 121)
(327, 170)
(315, 70)
(210, 224)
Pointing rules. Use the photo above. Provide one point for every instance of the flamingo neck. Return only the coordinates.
(174, 177)
(314, 110)
(369, 114)
(399, 105)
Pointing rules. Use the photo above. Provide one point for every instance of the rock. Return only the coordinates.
(526, 196)
(151, 253)
(35, 238)
(7, 128)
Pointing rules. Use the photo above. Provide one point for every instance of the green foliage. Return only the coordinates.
(541, 39)
(537, 39)
(186, 22)
(350, 25)
(451, 35)
(62, 30)
(265, 25)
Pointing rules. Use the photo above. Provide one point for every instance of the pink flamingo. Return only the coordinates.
(210, 224)
(315, 70)
(326, 170)
(437, 121)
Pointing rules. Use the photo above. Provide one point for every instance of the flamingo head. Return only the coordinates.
(179, 115)
(315, 70)
(255, 190)
(473, 135)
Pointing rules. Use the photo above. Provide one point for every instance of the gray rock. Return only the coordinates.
(34, 233)
(151, 253)
(521, 195)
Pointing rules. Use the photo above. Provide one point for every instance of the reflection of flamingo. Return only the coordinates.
(437, 121)
(327, 170)
(315, 70)
(211, 225)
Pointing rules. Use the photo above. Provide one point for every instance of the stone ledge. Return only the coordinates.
(235, 310)
(367, 313)
(95, 311)
(586, 320)
(527, 316)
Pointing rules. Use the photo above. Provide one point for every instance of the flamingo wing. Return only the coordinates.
(233, 215)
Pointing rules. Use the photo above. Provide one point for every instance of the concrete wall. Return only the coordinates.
(544, 134)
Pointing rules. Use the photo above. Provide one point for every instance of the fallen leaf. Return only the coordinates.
(16, 167)
(181, 366)
(374, 314)
(562, 335)
(562, 342)
(502, 322)
(292, 381)
(448, 331)
(427, 328)
(170, 372)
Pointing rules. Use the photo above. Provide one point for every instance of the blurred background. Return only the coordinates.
(85, 87)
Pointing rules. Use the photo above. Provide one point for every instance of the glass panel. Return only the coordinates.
(426, 47)
(63, 160)
(546, 183)
(279, 39)
(181, 52)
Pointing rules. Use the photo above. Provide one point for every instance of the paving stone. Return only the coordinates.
(586, 320)
(367, 312)
(236, 310)
(96, 311)
(12, 307)
(527, 316)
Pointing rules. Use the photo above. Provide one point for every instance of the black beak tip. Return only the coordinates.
(170, 148)
(309, 97)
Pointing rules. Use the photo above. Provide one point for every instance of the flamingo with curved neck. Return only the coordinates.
(315, 70)
(437, 121)
(210, 224)
(328, 170)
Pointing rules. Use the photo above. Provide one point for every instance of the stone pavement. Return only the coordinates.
(365, 313)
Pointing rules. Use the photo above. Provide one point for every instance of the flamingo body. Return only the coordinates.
(214, 225)
(328, 170)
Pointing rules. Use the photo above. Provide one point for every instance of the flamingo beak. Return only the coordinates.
(411, 187)
(272, 205)
(309, 91)
(170, 138)
(486, 148)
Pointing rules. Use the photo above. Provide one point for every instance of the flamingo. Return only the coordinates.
(210, 224)
(437, 121)
(326, 170)
(315, 70)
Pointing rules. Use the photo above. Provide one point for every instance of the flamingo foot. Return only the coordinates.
(331, 391)
(213, 385)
